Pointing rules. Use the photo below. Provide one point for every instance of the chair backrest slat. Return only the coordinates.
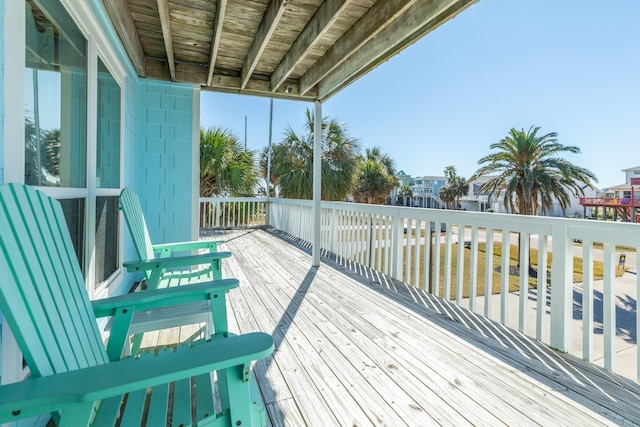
(42, 293)
(132, 211)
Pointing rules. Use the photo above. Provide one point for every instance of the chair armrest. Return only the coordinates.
(162, 263)
(42, 395)
(212, 245)
(160, 298)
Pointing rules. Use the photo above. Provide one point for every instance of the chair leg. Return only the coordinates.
(239, 394)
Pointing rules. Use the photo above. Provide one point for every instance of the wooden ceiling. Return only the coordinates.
(299, 49)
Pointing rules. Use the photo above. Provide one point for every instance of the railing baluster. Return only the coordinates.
(473, 267)
(587, 300)
(407, 251)
(447, 263)
(524, 281)
(460, 264)
(436, 257)
(416, 254)
(488, 274)
(504, 276)
(427, 256)
(542, 285)
(609, 309)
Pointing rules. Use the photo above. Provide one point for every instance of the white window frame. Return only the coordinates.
(98, 46)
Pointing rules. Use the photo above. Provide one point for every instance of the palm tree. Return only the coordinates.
(225, 167)
(530, 174)
(447, 195)
(406, 193)
(292, 162)
(375, 177)
(455, 188)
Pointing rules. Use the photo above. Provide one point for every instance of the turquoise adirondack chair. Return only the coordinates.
(72, 376)
(161, 268)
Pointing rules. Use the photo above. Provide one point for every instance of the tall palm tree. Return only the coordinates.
(375, 177)
(292, 163)
(225, 167)
(530, 174)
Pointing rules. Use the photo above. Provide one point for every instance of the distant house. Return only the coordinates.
(403, 179)
(477, 201)
(425, 191)
(622, 191)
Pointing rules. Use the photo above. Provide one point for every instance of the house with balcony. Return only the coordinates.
(619, 202)
(425, 191)
(373, 320)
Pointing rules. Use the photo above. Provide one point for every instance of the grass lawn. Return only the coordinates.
(497, 262)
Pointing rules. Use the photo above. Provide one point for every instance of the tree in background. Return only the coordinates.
(405, 193)
(292, 162)
(225, 167)
(375, 177)
(455, 188)
(273, 180)
(530, 174)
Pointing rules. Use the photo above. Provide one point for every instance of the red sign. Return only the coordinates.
(635, 181)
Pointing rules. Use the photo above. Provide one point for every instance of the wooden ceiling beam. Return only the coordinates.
(322, 20)
(221, 11)
(417, 21)
(157, 68)
(375, 20)
(270, 20)
(121, 18)
(165, 23)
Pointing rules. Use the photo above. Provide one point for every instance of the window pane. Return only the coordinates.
(55, 97)
(74, 215)
(106, 237)
(108, 150)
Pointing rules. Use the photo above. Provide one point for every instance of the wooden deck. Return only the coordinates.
(354, 348)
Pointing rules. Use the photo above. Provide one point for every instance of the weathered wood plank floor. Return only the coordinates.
(355, 348)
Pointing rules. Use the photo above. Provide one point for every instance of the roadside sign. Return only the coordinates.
(623, 257)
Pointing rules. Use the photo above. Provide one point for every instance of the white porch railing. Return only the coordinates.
(232, 212)
(403, 243)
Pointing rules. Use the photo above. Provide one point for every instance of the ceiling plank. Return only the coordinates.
(215, 42)
(322, 20)
(270, 20)
(165, 23)
(121, 18)
(413, 24)
(374, 21)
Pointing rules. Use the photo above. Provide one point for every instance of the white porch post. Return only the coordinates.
(317, 171)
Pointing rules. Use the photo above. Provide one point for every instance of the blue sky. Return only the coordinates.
(572, 67)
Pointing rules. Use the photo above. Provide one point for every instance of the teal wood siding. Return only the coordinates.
(2, 41)
(163, 168)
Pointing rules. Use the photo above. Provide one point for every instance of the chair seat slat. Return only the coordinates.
(134, 408)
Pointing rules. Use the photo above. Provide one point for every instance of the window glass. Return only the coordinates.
(108, 149)
(74, 215)
(106, 250)
(55, 97)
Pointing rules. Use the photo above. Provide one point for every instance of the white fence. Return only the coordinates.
(420, 246)
(232, 212)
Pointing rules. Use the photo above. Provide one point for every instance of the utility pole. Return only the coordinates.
(245, 133)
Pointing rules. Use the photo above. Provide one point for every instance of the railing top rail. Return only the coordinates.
(232, 199)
